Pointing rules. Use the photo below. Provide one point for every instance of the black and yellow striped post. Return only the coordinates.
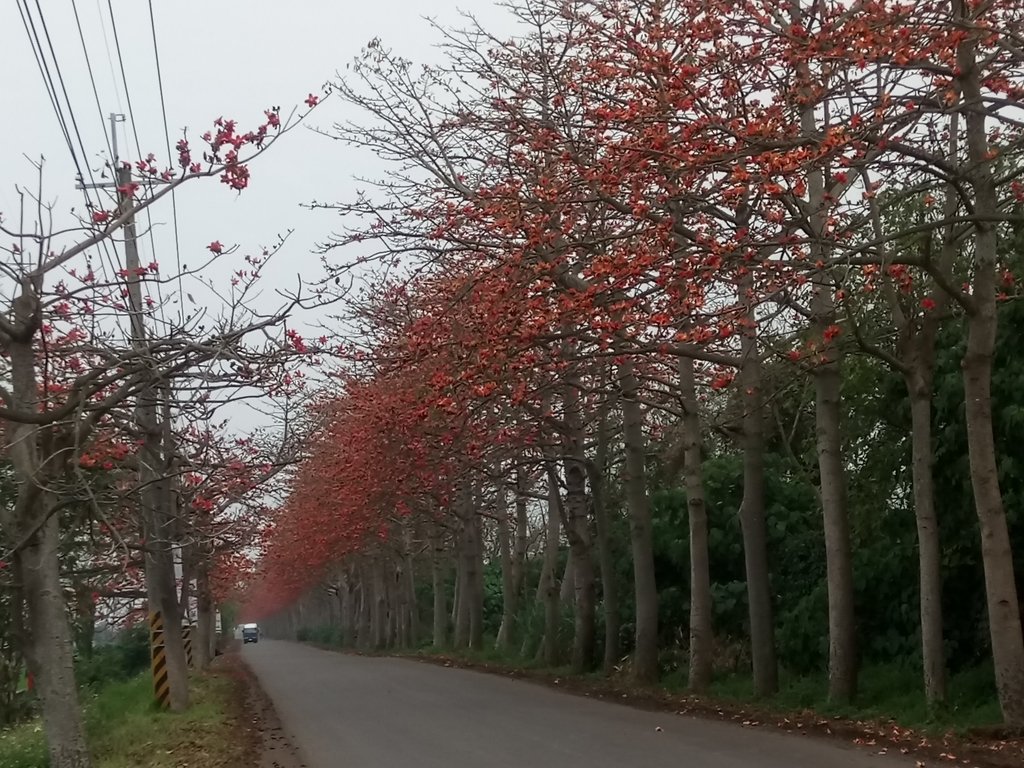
(186, 639)
(158, 660)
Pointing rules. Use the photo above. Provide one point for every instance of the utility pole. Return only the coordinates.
(158, 509)
(154, 460)
(114, 119)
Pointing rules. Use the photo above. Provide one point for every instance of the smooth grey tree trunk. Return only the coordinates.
(838, 555)
(583, 580)
(522, 536)
(645, 654)
(380, 606)
(842, 669)
(509, 596)
(475, 580)
(580, 565)
(412, 603)
(549, 587)
(34, 521)
(606, 555)
(462, 588)
(928, 544)
(365, 634)
(438, 563)
(49, 650)
(702, 639)
(1000, 586)
(203, 642)
(567, 584)
(752, 510)
(347, 608)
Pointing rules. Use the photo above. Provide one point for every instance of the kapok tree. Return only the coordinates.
(45, 426)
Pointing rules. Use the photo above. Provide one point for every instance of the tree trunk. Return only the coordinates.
(458, 589)
(412, 603)
(1000, 587)
(157, 523)
(163, 597)
(437, 574)
(609, 584)
(522, 537)
(462, 589)
(929, 546)
(917, 340)
(702, 637)
(400, 608)
(380, 606)
(645, 655)
(567, 584)
(49, 647)
(752, 513)
(602, 525)
(49, 650)
(839, 565)
(842, 669)
(475, 581)
(365, 634)
(549, 586)
(577, 527)
(203, 640)
(347, 608)
(509, 596)
(997, 556)
(84, 625)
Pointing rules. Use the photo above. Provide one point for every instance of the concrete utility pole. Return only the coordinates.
(158, 506)
(158, 512)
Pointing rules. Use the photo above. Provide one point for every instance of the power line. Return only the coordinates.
(63, 87)
(124, 77)
(138, 145)
(110, 56)
(167, 141)
(48, 81)
(48, 84)
(92, 79)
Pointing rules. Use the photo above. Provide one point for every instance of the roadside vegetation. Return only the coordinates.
(687, 361)
(125, 728)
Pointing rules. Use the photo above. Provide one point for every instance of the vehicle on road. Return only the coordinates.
(250, 633)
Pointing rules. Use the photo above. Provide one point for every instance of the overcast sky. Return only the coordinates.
(217, 59)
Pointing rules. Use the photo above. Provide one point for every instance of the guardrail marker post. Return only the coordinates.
(186, 637)
(158, 660)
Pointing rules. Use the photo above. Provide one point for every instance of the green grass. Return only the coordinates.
(887, 692)
(125, 729)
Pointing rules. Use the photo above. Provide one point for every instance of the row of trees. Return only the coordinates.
(118, 457)
(643, 236)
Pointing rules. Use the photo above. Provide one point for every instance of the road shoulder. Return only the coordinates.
(265, 742)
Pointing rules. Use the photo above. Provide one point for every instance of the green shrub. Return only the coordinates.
(323, 634)
(123, 659)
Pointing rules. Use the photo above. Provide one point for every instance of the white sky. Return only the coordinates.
(216, 60)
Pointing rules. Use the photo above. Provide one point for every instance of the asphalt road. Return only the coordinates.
(352, 712)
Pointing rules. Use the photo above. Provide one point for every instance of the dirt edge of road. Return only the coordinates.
(265, 744)
(978, 751)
